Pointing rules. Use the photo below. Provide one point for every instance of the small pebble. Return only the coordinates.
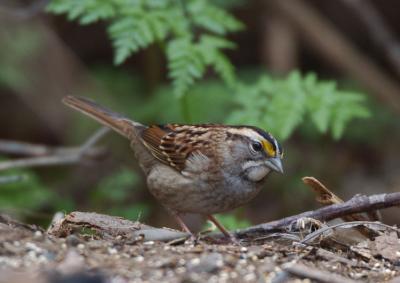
(72, 240)
(209, 263)
(112, 251)
(37, 235)
(250, 277)
(33, 247)
(139, 258)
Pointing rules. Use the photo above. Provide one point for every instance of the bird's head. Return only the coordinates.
(258, 152)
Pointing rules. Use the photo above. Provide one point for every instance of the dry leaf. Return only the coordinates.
(324, 195)
(363, 249)
(388, 246)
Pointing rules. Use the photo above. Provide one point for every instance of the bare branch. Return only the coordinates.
(304, 271)
(60, 157)
(93, 140)
(326, 197)
(346, 225)
(40, 161)
(357, 204)
(11, 147)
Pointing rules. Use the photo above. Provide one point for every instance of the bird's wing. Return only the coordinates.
(174, 144)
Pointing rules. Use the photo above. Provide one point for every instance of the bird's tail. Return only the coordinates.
(108, 118)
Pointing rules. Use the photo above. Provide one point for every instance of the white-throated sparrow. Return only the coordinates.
(203, 169)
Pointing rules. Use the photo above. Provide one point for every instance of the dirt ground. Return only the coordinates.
(83, 252)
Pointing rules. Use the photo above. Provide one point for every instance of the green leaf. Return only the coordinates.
(135, 24)
(213, 18)
(185, 64)
(85, 11)
(321, 97)
(129, 34)
(281, 105)
(210, 48)
(347, 107)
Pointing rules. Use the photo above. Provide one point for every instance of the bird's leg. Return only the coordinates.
(222, 228)
(182, 224)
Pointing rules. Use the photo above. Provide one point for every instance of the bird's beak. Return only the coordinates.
(275, 164)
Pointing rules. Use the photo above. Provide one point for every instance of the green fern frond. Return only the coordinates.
(128, 36)
(188, 60)
(280, 105)
(85, 11)
(136, 24)
(348, 106)
(276, 105)
(210, 48)
(185, 64)
(213, 18)
(286, 107)
(321, 98)
(136, 31)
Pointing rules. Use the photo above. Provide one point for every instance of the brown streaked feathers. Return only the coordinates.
(173, 143)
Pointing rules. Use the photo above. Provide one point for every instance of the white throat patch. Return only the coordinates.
(255, 170)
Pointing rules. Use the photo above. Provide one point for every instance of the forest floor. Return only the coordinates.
(76, 249)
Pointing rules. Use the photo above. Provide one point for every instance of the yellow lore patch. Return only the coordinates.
(268, 148)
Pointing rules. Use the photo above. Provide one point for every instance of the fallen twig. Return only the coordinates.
(331, 256)
(348, 225)
(59, 157)
(359, 203)
(304, 271)
(5, 219)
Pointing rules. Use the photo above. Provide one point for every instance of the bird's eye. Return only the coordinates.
(256, 146)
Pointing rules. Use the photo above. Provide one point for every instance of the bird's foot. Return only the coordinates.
(234, 240)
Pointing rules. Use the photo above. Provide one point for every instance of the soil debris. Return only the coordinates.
(112, 256)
